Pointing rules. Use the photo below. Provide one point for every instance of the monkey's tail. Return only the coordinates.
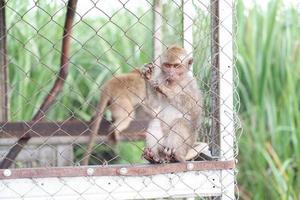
(95, 122)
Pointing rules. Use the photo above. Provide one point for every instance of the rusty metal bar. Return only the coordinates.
(66, 128)
(215, 78)
(57, 87)
(3, 65)
(114, 170)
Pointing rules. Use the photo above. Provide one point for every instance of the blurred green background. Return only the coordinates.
(268, 67)
(268, 63)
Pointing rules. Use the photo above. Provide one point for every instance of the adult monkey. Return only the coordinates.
(173, 132)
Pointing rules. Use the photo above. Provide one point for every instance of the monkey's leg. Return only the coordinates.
(154, 141)
(179, 140)
(122, 113)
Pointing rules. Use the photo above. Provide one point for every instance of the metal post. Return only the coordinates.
(157, 30)
(215, 79)
(3, 65)
(227, 135)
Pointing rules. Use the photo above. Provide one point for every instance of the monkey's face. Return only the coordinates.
(176, 70)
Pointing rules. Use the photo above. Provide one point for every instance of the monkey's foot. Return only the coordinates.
(169, 154)
(172, 156)
(149, 155)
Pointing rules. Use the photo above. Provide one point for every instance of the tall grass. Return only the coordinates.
(97, 53)
(100, 48)
(268, 63)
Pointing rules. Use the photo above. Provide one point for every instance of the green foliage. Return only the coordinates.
(268, 42)
(98, 50)
(129, 152)
(172, 23)
(202, 68)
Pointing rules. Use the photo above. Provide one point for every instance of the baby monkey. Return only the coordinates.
(177, 103)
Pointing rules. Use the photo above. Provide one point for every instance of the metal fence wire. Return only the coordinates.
(56, 60)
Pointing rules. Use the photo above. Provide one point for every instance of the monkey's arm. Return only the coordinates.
(147, 73)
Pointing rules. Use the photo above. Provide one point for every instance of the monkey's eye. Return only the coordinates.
(167, 65)
(177, 65)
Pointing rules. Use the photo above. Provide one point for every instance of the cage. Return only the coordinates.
(48, 95)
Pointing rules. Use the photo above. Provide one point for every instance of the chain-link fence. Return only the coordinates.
(59, 57)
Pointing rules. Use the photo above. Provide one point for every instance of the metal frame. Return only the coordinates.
(227, 135)
(136, 182)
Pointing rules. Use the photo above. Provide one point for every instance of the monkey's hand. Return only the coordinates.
(147, 71)
(155, 85)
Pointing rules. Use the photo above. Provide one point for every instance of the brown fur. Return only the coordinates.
(123, 93)
(178, 133)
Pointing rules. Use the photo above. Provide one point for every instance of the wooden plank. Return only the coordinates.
(116, 170)
(66, 128)
(7, 142)
(184, 184)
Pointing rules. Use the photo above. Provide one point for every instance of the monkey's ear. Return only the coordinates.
(190, 62)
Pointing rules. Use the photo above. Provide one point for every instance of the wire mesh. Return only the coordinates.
(68, 67)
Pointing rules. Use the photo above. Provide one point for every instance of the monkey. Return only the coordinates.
(122, 94)
(173, 131)
(125, 92)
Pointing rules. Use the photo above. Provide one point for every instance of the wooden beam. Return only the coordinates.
(117, 170)
(65, 128)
